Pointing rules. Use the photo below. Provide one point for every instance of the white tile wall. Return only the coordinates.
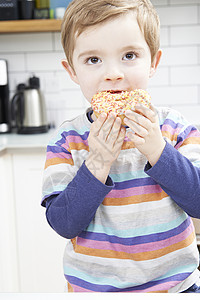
(185, 35)
(176, 83)
(178, 15)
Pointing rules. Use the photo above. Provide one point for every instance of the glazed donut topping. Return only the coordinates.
(119, 101)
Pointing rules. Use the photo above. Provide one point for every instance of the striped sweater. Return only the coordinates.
(129, 235)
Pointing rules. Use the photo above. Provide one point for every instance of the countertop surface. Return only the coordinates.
(14, 141)
(10, 141)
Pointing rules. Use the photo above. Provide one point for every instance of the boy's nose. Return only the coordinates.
(113, 74)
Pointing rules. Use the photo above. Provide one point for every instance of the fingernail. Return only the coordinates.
(103, 115)
(112, 115)
(128, 112)
(118, 120)
(121, 132)
(138, 106)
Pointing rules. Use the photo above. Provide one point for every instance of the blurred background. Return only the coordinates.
(30, 66)
(176, 84)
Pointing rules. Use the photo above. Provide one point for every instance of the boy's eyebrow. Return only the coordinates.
(88, 53)
(132, 47)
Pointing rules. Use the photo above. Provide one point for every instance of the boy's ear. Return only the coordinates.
(155, 63)
(69, 70)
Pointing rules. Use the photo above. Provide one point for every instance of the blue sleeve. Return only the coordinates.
(73, 209)
(179, 178)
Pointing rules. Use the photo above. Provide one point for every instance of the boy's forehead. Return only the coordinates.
(113, 19)
(121, 26)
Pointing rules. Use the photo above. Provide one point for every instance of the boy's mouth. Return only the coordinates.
(114, 92)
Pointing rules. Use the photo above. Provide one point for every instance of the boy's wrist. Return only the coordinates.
(153, 158)
(98, 168)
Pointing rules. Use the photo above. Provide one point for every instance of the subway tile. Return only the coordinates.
(185, 35)
(50, 61)
(65, 100)
(180, 15)
(17, 78)
(59, 116)
(173, 56)
(175, 2)
(199, 55)
(190, 112)
(49, 82)
(57, 42)
(16, 62)
(52, 118)
(72, 99)
(26, 42)
(159, 2)
(52, 100)
(185, 75)
(164, 36)
(65, 81)
(168, 96)
(160, 78)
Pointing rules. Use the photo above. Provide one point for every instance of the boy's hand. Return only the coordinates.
(105, 141)
(146, 133)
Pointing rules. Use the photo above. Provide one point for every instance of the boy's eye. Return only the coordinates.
(93, 60)
(129, 56)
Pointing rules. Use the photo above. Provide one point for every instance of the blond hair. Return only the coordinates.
(81, 14)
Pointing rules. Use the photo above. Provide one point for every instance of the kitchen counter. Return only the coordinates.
(16, 142)
(10, 142)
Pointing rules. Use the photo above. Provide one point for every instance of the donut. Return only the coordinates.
(119, 102)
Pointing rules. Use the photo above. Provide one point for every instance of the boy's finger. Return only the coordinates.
(149, 113)
(138, 140)
(114, 132)
(141, 130)
(97, 125)
(120, 139)
(133, 119)
(107, 125)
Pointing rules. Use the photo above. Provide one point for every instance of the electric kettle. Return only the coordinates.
(28, 111)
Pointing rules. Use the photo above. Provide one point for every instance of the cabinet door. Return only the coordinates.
(9, 279)
(40, 248)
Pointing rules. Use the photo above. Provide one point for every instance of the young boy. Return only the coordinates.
(122, 196)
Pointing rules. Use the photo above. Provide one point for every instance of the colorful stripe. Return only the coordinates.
(139, 239)
(159, 285)
(150, 246)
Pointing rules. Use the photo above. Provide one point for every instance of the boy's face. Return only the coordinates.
(112, 56)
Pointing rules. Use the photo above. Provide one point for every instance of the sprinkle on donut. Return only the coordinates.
(119, 102)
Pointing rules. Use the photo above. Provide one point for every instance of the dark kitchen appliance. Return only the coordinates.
(28, 109)
(26, 9)
(8, 10)
(4, 97)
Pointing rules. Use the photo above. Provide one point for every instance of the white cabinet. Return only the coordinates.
(9, 279)
(34, 248)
